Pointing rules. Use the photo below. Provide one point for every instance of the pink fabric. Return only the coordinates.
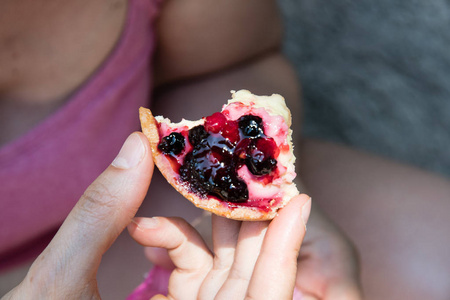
(44, 172)
(157, 282)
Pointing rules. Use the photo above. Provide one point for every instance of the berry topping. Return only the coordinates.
(229, 186)
(251, 126)
(231, 131)
(258, 166)
(215, 123)
(190, 172)
(172, 144)
(237, 163)
(210, 169)
(258, 155)
(220, 148)
(197, 134)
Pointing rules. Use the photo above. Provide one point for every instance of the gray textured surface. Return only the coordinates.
(375, 75)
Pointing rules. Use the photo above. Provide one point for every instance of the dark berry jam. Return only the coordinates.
(251, 126)
(172, 144)
(197, 134)
(211, 170)
(219, 149)
(259, 155)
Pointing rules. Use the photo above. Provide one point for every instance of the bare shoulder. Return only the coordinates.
(200, 36)
(48, 47)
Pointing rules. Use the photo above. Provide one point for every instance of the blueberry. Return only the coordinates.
(229, 187)
(210, 169)
(172, 143)
(190, 172)
(197, 134)
(260, 156)
(261, 167)
(251, 126)
(236, 191)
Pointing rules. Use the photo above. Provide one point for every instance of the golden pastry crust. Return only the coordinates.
(229, 210)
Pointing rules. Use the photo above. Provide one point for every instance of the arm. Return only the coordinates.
(198, 37)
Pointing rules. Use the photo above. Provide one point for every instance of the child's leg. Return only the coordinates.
(396, 215)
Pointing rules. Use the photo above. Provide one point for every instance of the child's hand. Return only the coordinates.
(254, 260)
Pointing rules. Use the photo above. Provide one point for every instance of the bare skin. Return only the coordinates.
(397, 215)
(33, 84)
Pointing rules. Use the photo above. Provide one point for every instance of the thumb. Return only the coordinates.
(101, 214)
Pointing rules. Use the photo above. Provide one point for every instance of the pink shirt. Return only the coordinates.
(44, 172)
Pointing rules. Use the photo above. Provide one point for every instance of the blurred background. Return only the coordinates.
(375, 75)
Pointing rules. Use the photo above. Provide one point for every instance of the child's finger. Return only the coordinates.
(225, 234)
(159, 257)
(248, 247)
(275, 271)
(185, 246)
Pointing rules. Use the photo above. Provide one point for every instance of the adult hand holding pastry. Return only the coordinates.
(67, 268)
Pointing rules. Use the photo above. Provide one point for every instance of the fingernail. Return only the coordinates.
(148, 223)
(131, 153)
(306, 210)
(137, 224)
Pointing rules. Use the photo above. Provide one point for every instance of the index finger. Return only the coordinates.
(276, 268)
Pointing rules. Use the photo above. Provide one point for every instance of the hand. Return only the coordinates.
(327, 264)
(67, 267)
(252, 260)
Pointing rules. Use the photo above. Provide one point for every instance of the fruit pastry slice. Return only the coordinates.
(237, 163)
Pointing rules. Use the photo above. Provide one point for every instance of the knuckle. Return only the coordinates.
(240, 277)
(223, 262)
(97, 203)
